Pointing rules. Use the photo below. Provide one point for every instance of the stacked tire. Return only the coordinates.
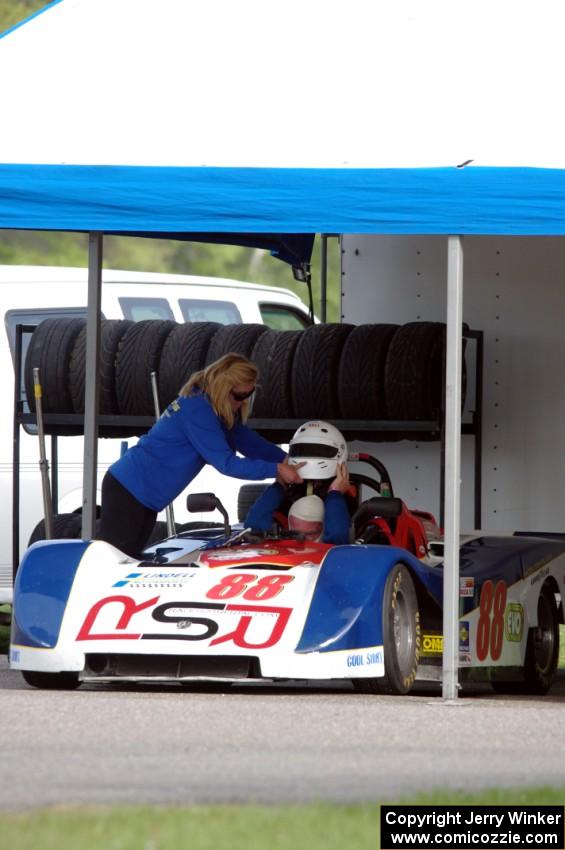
(50, 351)
(365, 373)
(129, 353)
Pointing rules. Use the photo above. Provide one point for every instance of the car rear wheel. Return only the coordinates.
(542, 651)
(401, 636)
(51, 681)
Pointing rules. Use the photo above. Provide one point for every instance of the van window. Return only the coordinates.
(34, 317)
(138, 309)
(283, 318)
(199, 310)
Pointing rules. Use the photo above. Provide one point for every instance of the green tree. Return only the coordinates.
(14, 11)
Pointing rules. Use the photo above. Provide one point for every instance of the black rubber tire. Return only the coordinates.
(50, 350)
(260, 356)
(401, 636)
(139, 353)
(361, 376)
(111, 332)
(184, 353)
(542, 650)
(274, 355)
(247, 496)
(65, 527)
(314, 371)
(414, 371)
(51, 681)
(240, 339)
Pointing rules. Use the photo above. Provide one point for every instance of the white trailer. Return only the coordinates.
(514, 294)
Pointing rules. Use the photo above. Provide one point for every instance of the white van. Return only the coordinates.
(29, 294)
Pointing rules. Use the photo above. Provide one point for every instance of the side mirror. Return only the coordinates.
(201, 502)
(206, 502)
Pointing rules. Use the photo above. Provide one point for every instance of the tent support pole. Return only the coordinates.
(452, 466)
(90, 462)
(323, 277)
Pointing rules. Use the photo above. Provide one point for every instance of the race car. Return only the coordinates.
(222, 604)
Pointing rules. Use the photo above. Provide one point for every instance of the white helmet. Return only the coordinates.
(320, 446)
(306, 516)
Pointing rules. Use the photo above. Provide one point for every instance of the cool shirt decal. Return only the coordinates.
(363, 659)
(207, 627)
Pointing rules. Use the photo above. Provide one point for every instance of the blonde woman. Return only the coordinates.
(205, 424)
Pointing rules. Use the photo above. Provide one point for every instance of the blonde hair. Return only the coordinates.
(218, 379)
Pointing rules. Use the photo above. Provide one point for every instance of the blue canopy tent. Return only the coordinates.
(299, 118)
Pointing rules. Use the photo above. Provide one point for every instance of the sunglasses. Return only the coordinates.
(242, 396)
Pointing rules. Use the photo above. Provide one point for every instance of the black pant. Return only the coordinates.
(124, 521)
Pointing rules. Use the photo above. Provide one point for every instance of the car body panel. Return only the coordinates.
(271, 608)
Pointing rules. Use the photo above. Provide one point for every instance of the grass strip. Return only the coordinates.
(320, 826)
(6, 611)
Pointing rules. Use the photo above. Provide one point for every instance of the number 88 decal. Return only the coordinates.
(490, 632)
(235, 584)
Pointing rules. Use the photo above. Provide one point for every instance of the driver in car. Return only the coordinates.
(318, 507)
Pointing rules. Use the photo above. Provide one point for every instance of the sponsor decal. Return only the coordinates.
(152, 580)
(367, 658)
(514, 622)
(251, 626)
(541, 563)
(274, 556)
(464, 658)
(466, 586)
(464, 632)
(539, 576)
(229, 556)
(432, 644)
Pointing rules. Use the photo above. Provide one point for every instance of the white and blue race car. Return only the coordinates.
(221, 605)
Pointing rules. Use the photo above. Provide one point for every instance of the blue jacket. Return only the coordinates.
(186, 437)
(337, 522)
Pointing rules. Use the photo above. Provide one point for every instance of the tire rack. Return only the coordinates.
(369, 430)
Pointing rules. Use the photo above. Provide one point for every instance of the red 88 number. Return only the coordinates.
(236, 584)
(490, 633)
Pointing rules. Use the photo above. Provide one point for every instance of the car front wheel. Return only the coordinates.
(401, 636)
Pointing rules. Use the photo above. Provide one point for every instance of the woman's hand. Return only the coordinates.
(289, 474)
(341, 481)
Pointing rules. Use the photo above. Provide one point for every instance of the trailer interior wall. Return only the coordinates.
(514, 291)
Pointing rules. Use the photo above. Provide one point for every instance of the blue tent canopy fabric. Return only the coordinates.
(181, 202)
(149, 202)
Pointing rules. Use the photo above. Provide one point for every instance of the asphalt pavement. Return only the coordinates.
(174, 745)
